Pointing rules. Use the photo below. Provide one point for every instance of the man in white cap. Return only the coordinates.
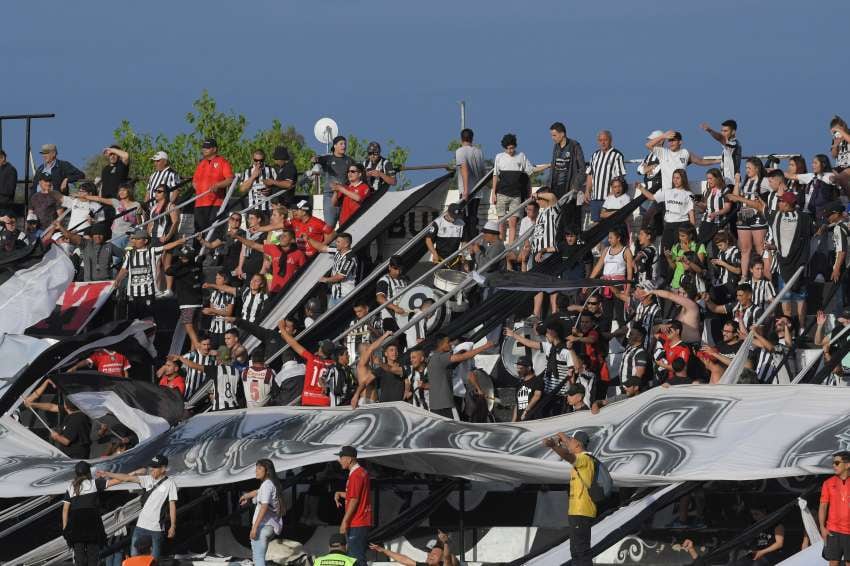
(60, 173)
(489, 248)
(163, 175)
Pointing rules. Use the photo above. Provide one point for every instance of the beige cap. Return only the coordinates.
(159, 155)
(48, 147)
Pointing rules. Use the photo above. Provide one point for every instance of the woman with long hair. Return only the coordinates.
(164, 230)
(82, 526)
(268, 513)
(821, 185)
(687, 261)
(615, 264)
(678, 206)
(715, 207)
(128, 213)
(752, 223)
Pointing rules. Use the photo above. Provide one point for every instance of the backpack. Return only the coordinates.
(601, 486)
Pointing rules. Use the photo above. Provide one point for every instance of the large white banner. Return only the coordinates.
(29, 295)
(692, 432)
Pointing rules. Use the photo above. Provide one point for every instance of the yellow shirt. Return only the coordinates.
(581, 476)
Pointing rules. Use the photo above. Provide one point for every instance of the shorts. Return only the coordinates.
(189, 315)
(837, 547)
(790, 296)
(505, 204)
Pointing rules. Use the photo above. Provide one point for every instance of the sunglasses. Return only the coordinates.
(373, 153)
(353, 171)
(837, 462)
(159, 191)
(259, 160)
(593, 304)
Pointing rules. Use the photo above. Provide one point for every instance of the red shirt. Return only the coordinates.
(110, 363)
(359, 486)
(177, 383)
(836, 493)
(208, 173)
(295, 260)
(313, 393)
(313, 228)
(674, 352)
(349, 205)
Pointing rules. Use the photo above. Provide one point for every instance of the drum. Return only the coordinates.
(412, 302)
(448, 279)
(512, 350)
(486, 384)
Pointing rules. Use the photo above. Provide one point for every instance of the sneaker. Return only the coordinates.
(167, 294)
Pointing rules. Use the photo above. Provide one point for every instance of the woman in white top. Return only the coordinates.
(268, 514)
(678, 207)
(615, 264)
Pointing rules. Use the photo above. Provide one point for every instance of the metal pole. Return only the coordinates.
(462, 114)
(462, 499)
(27, 143)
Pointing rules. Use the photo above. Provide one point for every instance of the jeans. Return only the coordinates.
(329, 211)
(596, 210)
(156, 541)
(86, 553)
(358, 542)
(259, 546)
(580, 540)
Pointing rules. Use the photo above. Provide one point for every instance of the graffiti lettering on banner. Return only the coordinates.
(74, 309)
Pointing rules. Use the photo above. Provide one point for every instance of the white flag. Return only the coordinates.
(30, 294)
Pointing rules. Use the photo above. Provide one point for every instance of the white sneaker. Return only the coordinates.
(168, 293)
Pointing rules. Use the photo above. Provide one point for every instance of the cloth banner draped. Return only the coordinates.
(74, 309)
(17, 351)
(145, 408)
(689, 432)
(29, 294)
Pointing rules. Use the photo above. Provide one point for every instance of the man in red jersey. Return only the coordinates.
(111, 363)
(314, 392)
(285, 256)
(357, 520)
(212, 174)
(834, 512)
(352, 195)
(306, 226)
(674, 348)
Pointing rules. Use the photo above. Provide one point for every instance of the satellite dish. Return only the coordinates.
(325, 130)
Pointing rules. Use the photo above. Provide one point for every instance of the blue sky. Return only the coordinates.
(394, 69)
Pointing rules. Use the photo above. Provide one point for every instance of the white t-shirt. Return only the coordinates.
(616, 203)
(678, 203)
(525, 225)
(669, 161)
(79, 212)
(165, 491)
(268, 494)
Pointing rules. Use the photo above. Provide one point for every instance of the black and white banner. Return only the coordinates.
(693, 432)
(74, 309)
(28, 295)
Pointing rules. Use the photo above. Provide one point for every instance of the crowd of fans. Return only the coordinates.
(679, 282)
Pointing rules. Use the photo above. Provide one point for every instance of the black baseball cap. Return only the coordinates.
(395, 261)
(44, 177)
(582, 437)
(835, 208)
(209, 143)
(453, 209)
(632, 382)
(524, 361)
(337, 539)
(158, 461)
(303, 204)
(88, 186)
(349, 451)
(373, 147)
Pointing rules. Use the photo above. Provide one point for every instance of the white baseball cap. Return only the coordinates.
(159, 155)
(654, 134)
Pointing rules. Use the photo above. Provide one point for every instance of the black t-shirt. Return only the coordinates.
(525, 391)
(728, 350)
(111, 176)
(77, 429)
(390, 385)
(579, 270)
(287, 172)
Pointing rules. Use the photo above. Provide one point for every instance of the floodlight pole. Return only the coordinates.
(462, 114)
(28, 149)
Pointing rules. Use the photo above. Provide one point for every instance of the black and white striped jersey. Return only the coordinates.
(645, 317)
(715, 200)
(723, 276)
(194, 378)
(252, 306)
(362, 333)
(652, 181)
(633, 358)
(390, 287)
(546, 229)
(558, 363)
(345, 264)
(220, 301)
(647, 267)
(141, 266)
(382, 165)
(604, 166)
(751, 314)
(730, 161)
(255, 193)
(418, 378)
(225, 387)
(763, 291)
(167, 176)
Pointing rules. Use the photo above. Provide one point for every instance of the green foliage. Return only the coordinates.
(229, 130)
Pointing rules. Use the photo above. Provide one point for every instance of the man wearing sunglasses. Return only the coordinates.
(380, 173)
(254, 182)
(834, 512)
(350, 196)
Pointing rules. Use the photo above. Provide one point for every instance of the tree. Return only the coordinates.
(229, 130)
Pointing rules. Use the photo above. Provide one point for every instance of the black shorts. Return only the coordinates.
(837, 547)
